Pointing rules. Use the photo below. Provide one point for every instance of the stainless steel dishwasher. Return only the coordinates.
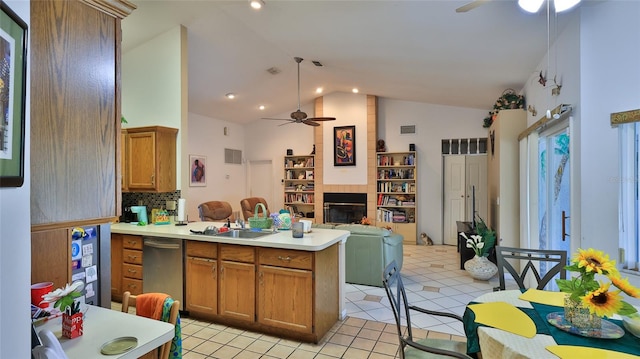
(162, 267)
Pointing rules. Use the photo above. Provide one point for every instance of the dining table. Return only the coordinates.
(102, 326)
(515, 324)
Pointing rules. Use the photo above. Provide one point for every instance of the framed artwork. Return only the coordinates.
(13, 75)
(344, 146)
(197, 173)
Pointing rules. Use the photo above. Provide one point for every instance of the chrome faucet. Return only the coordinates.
(240, 223)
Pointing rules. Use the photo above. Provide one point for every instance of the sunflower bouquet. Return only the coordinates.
(598, 296)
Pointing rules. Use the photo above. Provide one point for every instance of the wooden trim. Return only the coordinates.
(618, 118)
(116, 8)
(71, 224)
(543, 121)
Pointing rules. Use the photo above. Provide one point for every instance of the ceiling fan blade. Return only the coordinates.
(278, 119)
(470, 6)
(310, 123)
(286, 123)
(322, 119)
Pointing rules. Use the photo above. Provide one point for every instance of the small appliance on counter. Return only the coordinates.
(141, 214)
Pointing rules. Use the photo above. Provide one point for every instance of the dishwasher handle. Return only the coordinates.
(161, 244)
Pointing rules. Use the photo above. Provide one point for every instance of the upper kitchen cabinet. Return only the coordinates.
(150, 159)
(75, 111)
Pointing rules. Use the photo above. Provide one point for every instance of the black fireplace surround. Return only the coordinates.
(344, 207)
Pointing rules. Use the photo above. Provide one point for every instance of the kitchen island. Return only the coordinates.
(277, 284)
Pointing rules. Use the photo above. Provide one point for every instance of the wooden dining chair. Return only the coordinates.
(409, 347)
(528, 258)
(129, 300)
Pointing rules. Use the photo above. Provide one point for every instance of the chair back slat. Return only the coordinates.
(527, 259)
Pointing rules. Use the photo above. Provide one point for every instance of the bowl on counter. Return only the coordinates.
(632, 324)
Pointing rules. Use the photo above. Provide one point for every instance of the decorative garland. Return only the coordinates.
(508, 100)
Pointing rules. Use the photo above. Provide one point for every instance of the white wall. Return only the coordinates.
(225, 182)
(152, 88)
(349, 110)
(433, 124)
(15, 244)
(267, 140)
(609, 51)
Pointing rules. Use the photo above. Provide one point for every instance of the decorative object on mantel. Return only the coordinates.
(64, 299)
(365, 221)
(589, 300)
(381, 146)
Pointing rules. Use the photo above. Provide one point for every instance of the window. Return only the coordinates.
(629, 211)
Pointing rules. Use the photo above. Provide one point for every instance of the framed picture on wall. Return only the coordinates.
(13, 74)
(197, 175)
(344, 146)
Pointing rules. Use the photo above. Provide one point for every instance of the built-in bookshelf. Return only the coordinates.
(397, 190)
(299, 189)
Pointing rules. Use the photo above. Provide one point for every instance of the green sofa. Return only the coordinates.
(368, 251)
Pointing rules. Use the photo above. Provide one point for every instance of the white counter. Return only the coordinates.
(317, 240)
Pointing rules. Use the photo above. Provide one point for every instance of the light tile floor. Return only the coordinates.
(432, 278)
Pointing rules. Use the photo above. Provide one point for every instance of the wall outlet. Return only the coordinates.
(171, 205)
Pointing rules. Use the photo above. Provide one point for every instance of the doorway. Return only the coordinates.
(261, 181)
(465, 181)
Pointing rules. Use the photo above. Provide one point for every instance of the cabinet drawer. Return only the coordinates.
(132, 256)
(236, 253)
(132, 285)
(132, 270)
(202, 249)
(286, 258)
(132, 242)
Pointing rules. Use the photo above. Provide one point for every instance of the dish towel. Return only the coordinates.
(158, 306)
(176, 343)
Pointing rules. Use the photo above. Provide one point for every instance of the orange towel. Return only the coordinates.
(150, 305)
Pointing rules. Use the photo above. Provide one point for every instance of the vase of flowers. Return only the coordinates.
(480, 267)
(588, 300)
(64, 299)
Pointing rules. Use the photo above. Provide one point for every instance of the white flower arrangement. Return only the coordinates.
(64, 298)
(475, 242)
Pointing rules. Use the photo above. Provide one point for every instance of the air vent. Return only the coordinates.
(404, 130)
(273, 70)
(232, 156)
(317, 63)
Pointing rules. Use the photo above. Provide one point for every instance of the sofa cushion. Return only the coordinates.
(363, 229)
(322, 225)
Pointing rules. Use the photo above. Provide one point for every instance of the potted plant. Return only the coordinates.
(507, 101)
(482, 243)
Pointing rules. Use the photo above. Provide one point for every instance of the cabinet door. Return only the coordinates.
(202, 285)
(407, 230)
(285, 298)
(116, 266)
(237, 290)
(141, 171)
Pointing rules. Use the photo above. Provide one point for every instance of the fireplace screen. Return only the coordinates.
(344, 207)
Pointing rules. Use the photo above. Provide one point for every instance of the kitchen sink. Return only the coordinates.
(240, 233)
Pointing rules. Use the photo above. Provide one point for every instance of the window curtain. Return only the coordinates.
(628, 209)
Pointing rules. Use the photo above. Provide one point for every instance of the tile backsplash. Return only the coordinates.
(149, 199)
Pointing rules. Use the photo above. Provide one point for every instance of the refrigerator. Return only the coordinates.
(91, 262)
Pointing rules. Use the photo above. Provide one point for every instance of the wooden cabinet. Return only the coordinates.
(150, 159)
(285, 289)
(132, 264)
(397, 189)
(299, 189)
(123, 160)
(237, 282)
(51, 257)
(116, 267)
(503, 176)
(201, 278)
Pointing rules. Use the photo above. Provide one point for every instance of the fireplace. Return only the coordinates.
(344, 207)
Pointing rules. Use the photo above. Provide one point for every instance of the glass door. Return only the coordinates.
(554, 191)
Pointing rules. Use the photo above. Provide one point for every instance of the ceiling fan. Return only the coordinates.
(299, 116)
(531, 6)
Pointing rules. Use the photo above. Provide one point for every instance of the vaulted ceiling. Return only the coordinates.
(420, 51)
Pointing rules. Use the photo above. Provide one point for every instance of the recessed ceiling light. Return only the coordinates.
(256, 4)
(230, 96)
(319, 90)
(355, 90)
(261, 107)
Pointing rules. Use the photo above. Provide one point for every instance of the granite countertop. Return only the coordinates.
(317, 240)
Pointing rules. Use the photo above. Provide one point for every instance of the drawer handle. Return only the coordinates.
(132, 257)
(132, 271)
(132, 286)
(287, 258)
(133, 242)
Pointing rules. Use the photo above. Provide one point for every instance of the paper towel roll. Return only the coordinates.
(181, 210)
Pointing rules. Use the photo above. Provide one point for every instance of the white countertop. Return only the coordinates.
(317, 240)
